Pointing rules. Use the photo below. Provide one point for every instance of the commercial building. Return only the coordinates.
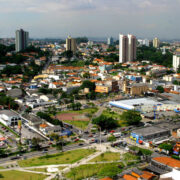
(176, 61)
(102, 89)
(145, 105)
(9, 118)
(71, 44)
(22, 38)
(152, 134)
(110, 41)
(156, 42)
(127, 48)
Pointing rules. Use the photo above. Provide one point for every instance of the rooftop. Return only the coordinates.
(168, 161)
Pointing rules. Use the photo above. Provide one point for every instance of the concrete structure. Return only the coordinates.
(110, 41)
(176, 61)
(148, 134)
(9, 118)
(156, 42)
(145, 105)
(22, 38)
(143, 42)
(127, 48)
(71, 44)
(102, 89)
(131, 47)
(135, 89)
(123, 48)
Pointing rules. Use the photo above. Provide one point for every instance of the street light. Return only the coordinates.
(100, 133)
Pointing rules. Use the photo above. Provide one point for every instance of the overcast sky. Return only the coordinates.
(92, 18)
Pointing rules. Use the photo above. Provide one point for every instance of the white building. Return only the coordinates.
(176, 61)
(9, 118)
(127, 48)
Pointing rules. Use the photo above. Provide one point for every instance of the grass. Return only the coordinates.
(13, 175)
(107, 156)
(1, 167)
(60, 158)
(61, 167)
(90, 111)
(79, 124)
(98, 170)
(128, 157)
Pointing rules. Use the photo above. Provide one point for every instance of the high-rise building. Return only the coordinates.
(176, 61)
(127, 48)
(71, 44)
(110, 41)
(123, 48)
(22, 38)
(131, 47)
(156, 42)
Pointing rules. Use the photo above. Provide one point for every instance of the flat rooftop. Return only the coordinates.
(131, 103)
(149, 131)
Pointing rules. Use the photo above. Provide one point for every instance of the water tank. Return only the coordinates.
(178, 133)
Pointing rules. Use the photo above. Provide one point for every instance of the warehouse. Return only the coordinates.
(145, 105)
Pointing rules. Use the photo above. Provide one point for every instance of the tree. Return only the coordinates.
(131, 117)
(68, 54)
(88, 84)
(112, 138)
(166, 146)
(105, 122)
(35, 143)
(160, 89)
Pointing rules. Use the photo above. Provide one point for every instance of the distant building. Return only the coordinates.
(127, 48)
(22, 38)
(156, 42)
(71, 44)
(176, 61)
(143, 42)
(110, 41)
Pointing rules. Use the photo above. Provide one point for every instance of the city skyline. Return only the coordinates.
(103, 18)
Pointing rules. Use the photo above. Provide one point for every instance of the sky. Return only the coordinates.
(91, 18)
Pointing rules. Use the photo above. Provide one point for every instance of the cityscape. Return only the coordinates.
(83, 108)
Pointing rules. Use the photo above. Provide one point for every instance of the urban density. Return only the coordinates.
(81, 108)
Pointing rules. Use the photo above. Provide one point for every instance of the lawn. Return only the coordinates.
(39, 169)
(79, 124)
(60, 158)
(107, 156)
(89, 111)
(98, 170)
(128, 157)
(19, 175)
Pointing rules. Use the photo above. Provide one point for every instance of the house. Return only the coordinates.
(15, 93)
(9, 118)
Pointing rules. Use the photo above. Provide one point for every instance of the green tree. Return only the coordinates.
(105, 122)
(131, 117)
(166, 146)
(112, 138)
(160, 89)
(88, 84)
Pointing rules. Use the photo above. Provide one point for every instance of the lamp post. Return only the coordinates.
(100, 134)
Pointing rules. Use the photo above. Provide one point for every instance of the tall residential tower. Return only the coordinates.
(22, 38)
(71, 44)
(156, 42)
(127, 48)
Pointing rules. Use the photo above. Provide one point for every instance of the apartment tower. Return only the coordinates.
(127, 48)
(156, 42)
(71, 44)
(22, 38)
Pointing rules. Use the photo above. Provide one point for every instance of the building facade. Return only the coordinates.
(110, 41)
(127, 48)
(22, 38)
(156, 42)
(176, 61)
(71, 44)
